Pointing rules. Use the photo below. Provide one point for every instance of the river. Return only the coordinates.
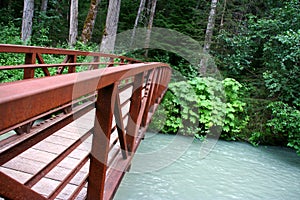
(170, 167)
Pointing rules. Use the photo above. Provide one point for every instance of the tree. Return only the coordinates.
(149, 27)
(208, 36)
(28, 10)
(73, 22)
(223, 13)
(141, 9)
(90, 21)
(44, 5)
(111, 27)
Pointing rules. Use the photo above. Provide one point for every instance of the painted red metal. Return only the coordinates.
(23, 102)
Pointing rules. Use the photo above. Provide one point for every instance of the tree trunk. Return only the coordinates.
(149, 27)
(141, 9)
(198, 4)
(27, 19)
(73, 22)
(208, 36)
(90, 21)
(210, 26)
(44, 6)
(223, 13)
(111, 27)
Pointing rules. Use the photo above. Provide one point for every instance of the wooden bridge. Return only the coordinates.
(70, 134)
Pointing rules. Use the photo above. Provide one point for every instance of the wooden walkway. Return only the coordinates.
(30, 162)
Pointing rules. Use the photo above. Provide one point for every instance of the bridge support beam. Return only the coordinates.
(100, 145)
(30, 58)
(135, 106)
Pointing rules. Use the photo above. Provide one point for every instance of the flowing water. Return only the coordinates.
(167, 167)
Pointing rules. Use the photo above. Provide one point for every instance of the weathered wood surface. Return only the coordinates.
(24, 166)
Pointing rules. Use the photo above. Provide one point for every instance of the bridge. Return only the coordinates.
(71, 134)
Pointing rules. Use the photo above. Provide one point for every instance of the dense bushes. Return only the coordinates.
(264, 56)
(285, 123)
(201, 106)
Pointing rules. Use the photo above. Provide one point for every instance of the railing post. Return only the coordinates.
(96, 59)
(30, 58)
(134, 109)
(152, 79)
(120, 126)
(111, 61)
(72, 59)
(100, 145)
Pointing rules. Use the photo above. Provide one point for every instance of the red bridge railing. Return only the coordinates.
(34, 59)
(123, 99)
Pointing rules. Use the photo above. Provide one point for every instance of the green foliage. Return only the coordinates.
(285, 122)
(202, 105)
(236, 118)
(10, 34)
(256, 131)
(282, 80)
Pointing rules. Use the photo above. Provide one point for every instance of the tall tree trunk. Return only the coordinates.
(208, 36)
(111, 27)
(73, 31)
(210, 26)
(141, 9)
(89, 23)
(44, 6)
(27, 19)
(149, 27)
(223, 13)
(198, 4)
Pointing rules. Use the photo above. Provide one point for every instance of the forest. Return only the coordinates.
(252, 94)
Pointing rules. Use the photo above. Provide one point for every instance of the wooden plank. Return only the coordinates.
(12, 189)
(59, 140)
(38, 155)
(19, 176)
(50, 147)
(24, 165)
(45, 186)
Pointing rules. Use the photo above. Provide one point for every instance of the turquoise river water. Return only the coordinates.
(175, 167)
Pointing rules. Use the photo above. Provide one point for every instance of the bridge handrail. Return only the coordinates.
(35, 54)
(24, 100)
(17, 95)
(11, 48)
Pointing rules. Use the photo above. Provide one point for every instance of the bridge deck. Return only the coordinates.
(34, 159)
(27, 164)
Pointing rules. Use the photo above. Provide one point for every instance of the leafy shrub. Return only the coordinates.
(9, 34)
(200, 106)
(285, 122)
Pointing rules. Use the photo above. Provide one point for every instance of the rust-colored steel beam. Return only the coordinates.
(41, 61)
(134, 109)
(22, 102)
(33, 54)
(43, 66)
(100, 144)
(30, 58)
(9, 48)
(120, 126)
(46, 94)
(21, 144)
(16, 190)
